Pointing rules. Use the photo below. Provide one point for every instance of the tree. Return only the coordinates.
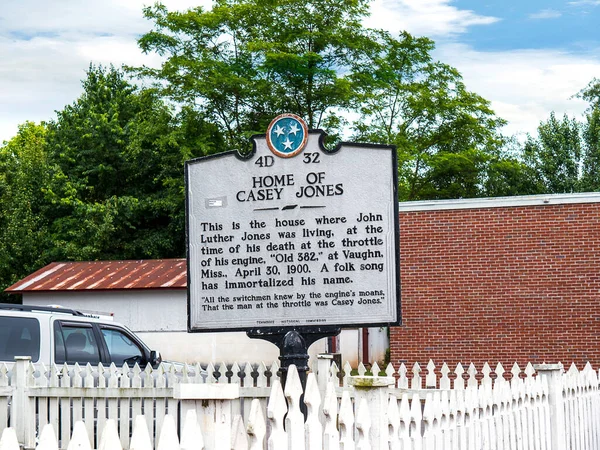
(245, 61)
(564, 157)
(23, 227)
(445, 134)
(591, 138)
(116, 187)
(556, 155)
(507, 176)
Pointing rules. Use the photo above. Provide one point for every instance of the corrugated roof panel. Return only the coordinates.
(177, 279)
(106, 275)
(37, 276)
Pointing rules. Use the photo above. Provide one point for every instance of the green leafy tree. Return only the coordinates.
(564, 157)
(555, 155)
(244, 61)
(116, 188)
(445, 135)
(591, 138)
(507, 176)
(23, 227)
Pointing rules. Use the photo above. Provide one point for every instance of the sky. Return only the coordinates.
(528, 58)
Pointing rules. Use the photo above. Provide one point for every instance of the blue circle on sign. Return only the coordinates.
(287, 135)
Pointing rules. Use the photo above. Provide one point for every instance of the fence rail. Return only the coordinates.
(542, 408)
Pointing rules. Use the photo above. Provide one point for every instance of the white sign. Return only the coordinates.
(293, 236)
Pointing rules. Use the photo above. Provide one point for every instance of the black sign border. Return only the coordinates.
(278, 329)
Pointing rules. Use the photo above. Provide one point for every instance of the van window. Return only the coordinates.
(75, 343)
(19, 336)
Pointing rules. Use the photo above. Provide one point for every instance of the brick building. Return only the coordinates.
(502, 279)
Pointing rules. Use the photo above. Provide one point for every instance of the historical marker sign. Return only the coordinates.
(295, 235)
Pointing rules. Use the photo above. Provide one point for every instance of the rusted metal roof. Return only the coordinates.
(105, 275)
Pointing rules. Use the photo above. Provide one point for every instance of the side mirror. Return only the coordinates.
(155, 358)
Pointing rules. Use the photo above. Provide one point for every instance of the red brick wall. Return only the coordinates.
(500, 284)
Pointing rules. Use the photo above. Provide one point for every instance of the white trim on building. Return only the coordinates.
(500, 202)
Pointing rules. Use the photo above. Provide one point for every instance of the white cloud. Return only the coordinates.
(67, 18)
(524, 86)
(72, 18)
(432, 18)
(36, 77)
(585, 3)
(114, 50)
(546, 14)
(42, 75)
(45, 48)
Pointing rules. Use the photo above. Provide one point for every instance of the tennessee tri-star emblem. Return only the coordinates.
(287, 135)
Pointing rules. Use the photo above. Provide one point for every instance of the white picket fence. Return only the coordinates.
(548, 409)
(63, 395)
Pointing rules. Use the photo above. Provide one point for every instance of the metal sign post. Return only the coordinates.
(293, 346)
(293, 349)
(294, 241)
